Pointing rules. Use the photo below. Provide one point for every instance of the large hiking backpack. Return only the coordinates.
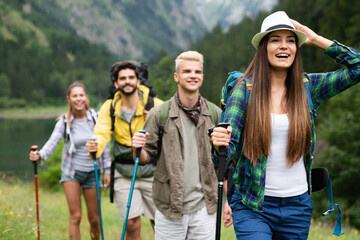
(320, 176)
(143, 74)
(142, 69)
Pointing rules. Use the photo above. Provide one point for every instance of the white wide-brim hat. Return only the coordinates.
(277, 21)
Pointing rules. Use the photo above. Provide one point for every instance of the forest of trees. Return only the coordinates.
(40, 57)
(33, 75)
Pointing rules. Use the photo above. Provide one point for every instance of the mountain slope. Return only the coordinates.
(142, 29)
(135, 28)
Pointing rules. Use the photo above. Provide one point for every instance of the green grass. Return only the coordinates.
(18, 217)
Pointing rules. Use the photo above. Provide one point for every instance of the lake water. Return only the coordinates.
(16, 138)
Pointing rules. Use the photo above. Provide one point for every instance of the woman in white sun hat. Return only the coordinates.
(272, 133)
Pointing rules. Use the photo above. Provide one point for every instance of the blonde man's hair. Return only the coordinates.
(189, 56)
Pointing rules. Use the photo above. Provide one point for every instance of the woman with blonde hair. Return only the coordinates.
(77, 168)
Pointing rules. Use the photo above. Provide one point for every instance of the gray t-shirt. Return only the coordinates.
(193, 194)
(81, 132)
(128, 115)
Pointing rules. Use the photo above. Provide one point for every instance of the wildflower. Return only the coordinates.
(9, 212)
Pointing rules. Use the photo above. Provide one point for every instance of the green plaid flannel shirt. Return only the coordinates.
(251, 184)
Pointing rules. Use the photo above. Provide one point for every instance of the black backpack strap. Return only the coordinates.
(112, 112)
(150, 103)
(112, 168)
(164, 113)
(112, 181)
(65, 136)
(94, 115)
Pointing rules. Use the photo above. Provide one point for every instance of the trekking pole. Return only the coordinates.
(34, 148)
(221, 171)
(93, 155)
(137, 156)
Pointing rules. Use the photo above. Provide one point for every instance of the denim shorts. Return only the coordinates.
(86, 179)
(281, 218)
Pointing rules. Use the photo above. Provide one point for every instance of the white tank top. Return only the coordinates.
(282, 181)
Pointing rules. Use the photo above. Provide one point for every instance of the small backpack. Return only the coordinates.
(228, 87)
(320, 176)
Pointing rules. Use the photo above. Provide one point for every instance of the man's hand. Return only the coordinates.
(91, 145)
(106, 181)
(139, 139)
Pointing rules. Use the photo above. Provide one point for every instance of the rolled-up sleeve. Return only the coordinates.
(327, 85)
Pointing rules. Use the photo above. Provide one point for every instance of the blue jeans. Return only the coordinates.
(281, 218)
(86, 179)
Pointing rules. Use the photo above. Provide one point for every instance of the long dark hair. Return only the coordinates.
(257, 132)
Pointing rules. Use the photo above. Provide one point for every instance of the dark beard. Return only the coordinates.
(127, 93)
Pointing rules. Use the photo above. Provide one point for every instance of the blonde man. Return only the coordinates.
(185, 181)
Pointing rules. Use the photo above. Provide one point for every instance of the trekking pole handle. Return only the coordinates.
(224, 125)
(93, 154)
(222, 155)
(138, 150)
(210, 131)
(221, 124)
(34, 148)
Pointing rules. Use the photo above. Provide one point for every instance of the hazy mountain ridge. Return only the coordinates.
(135, 28)
(230, 12)
(141, 29)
